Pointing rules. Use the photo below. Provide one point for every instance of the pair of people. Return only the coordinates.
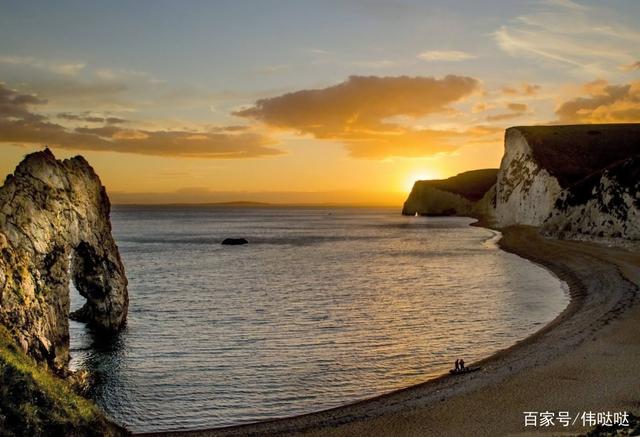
(459, 365)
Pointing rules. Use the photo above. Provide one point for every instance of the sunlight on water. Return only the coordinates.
(323, 307)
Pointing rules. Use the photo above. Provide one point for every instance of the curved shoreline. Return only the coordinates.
(601, 292)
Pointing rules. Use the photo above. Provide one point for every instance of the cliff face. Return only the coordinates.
(54, 227)
(468, 193)
(525, 192)
(604, 204)
(571, 180)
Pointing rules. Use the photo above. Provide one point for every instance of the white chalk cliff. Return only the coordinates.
(525, 192)
(605, 204)
(570, 181)
(466, 194)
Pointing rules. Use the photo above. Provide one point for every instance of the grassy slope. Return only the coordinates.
(471, 185)
(573, 152)
(34, 402)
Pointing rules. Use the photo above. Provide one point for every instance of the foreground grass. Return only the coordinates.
(573, 152)
(35, 402)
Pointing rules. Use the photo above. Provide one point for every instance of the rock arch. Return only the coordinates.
(55, 228)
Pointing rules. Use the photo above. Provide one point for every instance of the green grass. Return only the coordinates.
(573, 152)
(35, 402)
(471, 185)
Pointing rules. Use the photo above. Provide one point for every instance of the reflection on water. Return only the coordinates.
(323, 307)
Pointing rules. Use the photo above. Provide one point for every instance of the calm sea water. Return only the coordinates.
(323, 307)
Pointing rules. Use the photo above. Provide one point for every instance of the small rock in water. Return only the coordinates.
(234, 241)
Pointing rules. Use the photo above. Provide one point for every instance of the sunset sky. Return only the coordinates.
(303, 101)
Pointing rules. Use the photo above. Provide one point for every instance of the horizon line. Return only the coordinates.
(252, 204)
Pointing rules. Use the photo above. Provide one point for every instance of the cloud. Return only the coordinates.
(76, 87)
(360, 100)
(446, 55)
(517, 41)
(357, 112)
(120, 74)
(116, 90)
(604, 103)
(525, 89)
(272, 69)
(564, 33)
(504, 116)
(481, 107)
(66, 93)
(14, 106)
(61, 68)
(597, 87)
(88, 117)
(515, 110)
(568, 4)
(232, 128)
(18, 124)
(517, 107)
(630, 67)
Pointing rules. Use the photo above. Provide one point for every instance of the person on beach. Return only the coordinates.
(461, 364)
(457, 365)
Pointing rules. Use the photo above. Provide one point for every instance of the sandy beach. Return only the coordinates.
(584, 360)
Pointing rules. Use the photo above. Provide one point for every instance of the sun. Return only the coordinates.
(418, 176)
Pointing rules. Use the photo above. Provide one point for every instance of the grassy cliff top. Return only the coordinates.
(573, 152)
(35, 402)
(471, 185)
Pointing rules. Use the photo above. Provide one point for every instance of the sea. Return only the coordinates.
(325, 306)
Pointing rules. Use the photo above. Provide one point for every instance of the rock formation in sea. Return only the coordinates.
(234, 241)
(55, 228)
(570, 181)
(469, 193)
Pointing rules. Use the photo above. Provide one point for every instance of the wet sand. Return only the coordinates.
(587, 359)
